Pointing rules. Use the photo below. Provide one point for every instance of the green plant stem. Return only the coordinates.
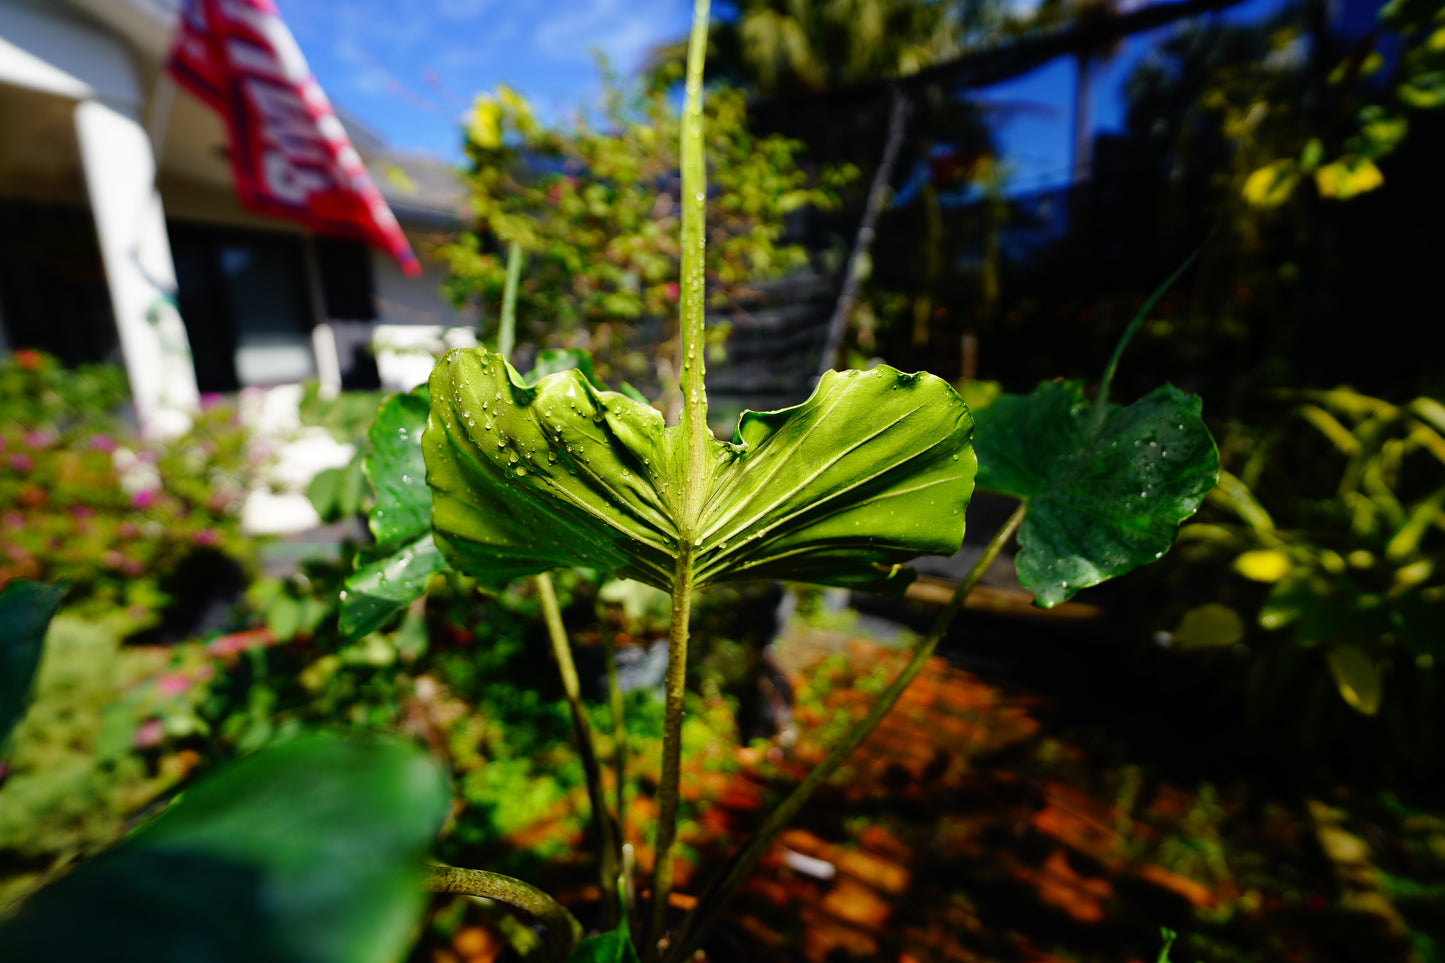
(727, 881)
(507, 326)
(1101, 403)
(522, 897)
(609, 855)
(668, 794)
(619, 731)
(693, 477)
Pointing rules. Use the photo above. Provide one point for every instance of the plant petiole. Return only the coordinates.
(516, 895)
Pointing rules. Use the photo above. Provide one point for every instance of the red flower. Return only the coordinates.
(29, 360)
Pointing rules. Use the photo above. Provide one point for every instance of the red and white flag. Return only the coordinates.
(289, 153)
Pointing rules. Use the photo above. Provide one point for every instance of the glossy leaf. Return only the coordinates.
(872, 470)
(311, 852)
(395, 571)
(26, 609)
(1101, 500)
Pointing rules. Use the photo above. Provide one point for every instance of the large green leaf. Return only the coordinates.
(26, 609)
(872, 470)
(395, 571)
(311, 852)
(1105, 495)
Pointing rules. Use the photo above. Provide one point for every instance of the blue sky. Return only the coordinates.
(409, 68)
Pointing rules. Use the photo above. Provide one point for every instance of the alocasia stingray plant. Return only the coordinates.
(522, 476)
(502, 476)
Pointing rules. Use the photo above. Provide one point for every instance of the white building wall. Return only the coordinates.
(42, 48)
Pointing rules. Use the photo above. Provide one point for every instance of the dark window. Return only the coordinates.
(244, 300)
(53, 295)
(346, 285)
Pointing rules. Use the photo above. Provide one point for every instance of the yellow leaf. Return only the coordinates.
(1271, 185)
(1357, 677)
(1347, 178)
(1263, 565)
(484, 126)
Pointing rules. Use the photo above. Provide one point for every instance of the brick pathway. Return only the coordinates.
(929, 846)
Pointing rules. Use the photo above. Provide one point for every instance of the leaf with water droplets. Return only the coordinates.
(395, 570)
(1102, 500)
(841, 489)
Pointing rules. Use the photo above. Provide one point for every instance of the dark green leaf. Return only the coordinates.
(613, 947)
(26, 609)
(397, 471)
(552, 360)
(322, 491)
(396, 570)
(311, 852)
(1101, 501)
(872, 470)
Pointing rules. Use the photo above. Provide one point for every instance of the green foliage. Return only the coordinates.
(26, 609)
(109, 514)
(1105, 495)
(311, 851)
(596, 211)
(1380, 124)
(396, 569)
(529, 479)
(37, 391)
(1338, 509)
(611, 947)
(73, 780)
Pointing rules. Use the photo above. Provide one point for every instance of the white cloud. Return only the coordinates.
(622, 30)
(462, 9)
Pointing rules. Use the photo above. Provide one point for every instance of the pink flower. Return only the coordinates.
(174, 683)
(103, 443)
(148, 735)
(82, 512)
(673, 291)
(112, 559)
(128, 530)
(144, 498)
(21, 463)
(206, 537)
(210, 399)
(39, 439)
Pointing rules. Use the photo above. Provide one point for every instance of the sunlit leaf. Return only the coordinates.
(311, 852)
(395, 571)
(1101, 500)
(872, 470)
(1357, 677)
(26, 609)
(1272, 185)
(1263, 565)
(1348, 178)
(1209, 626)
